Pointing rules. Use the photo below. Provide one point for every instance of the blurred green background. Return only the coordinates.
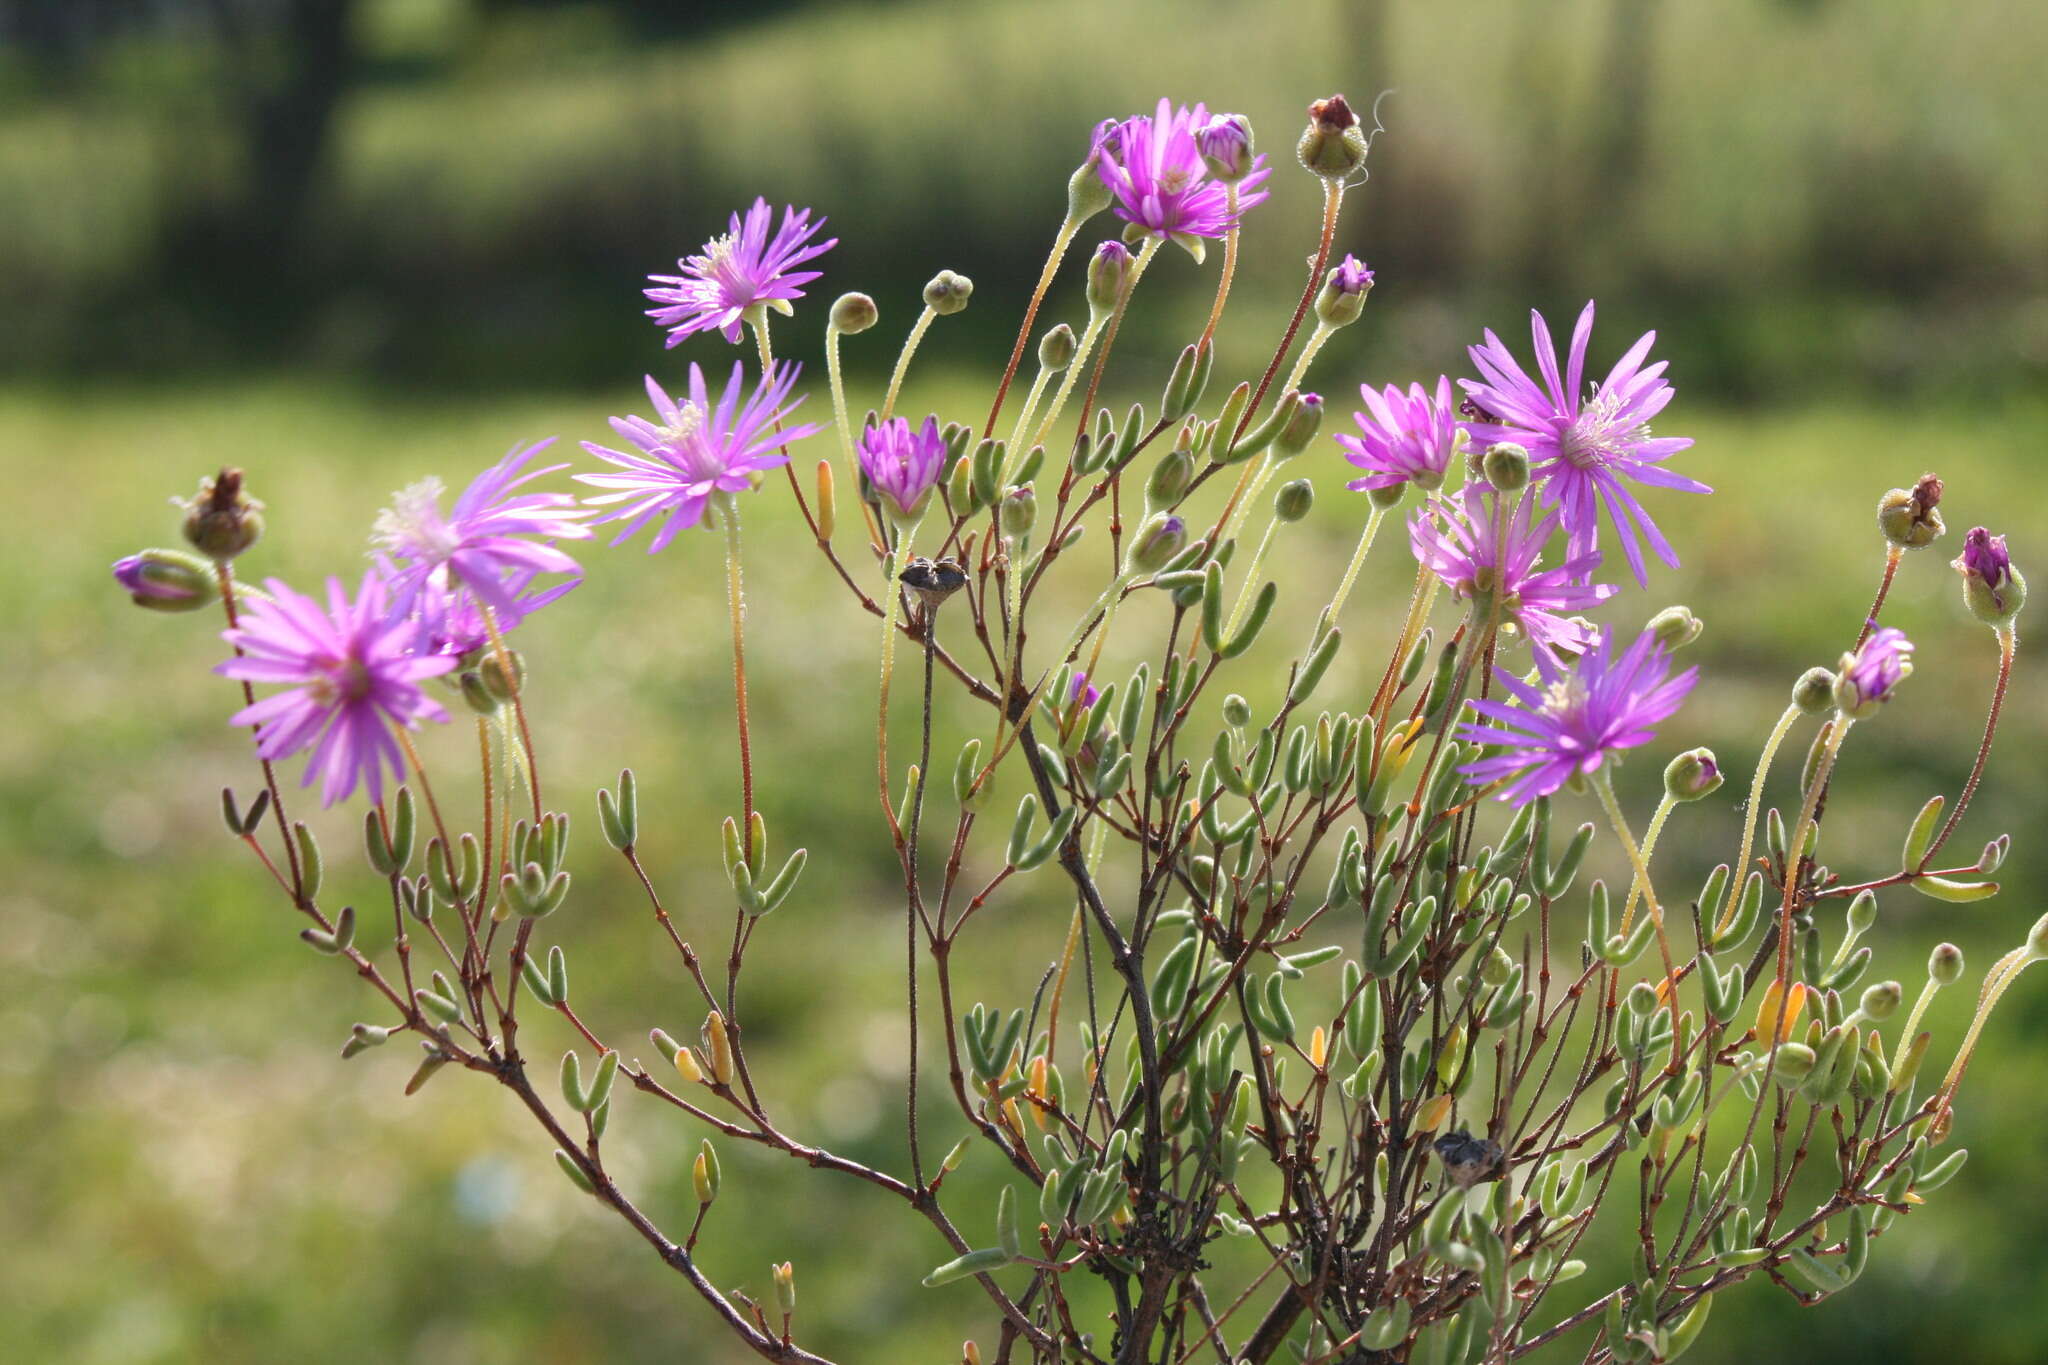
(348, 244)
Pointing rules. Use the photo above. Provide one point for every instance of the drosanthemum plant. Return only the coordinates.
(1326, 1055)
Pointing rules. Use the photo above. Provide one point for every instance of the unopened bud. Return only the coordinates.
(1019, 511)
(2037, 938)
(704, 1173)
(1333, 145)
(1815, 691)
(1881, 1000)
(1908, 516)
(1675, 628)
(1225, 143)
(1161, 538)
(1107, 270)
(1387, 498)
(1293, 500)
(785, 1288)
(1795, 1063)
(221, 520)
(1342, 297)
(1170, 478)
(1993, 589)
(947, 293)
(500, 682)
(853, 314)
(1642, 999)
(1301, 417)
(719, 1044)
(165, 580)
(1692, 775)
(1087, 195)
(1945, 964)
(476, 695)
(1236, 711)
(1056, 349)
(1506, 467)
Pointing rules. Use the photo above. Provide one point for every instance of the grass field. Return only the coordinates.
(192, 1174)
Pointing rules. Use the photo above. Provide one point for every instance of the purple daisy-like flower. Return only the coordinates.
(1155, 169)
(1582, 448)
(1403, 438)
(1462, 543)
(695, 450)
(352, 677)
(1598, 704)
(1869, 676)
(745, 269)
(904, 462)
(494, 533)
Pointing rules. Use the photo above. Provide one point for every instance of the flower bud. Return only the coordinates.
(1867, 678)
(1907, 516)
(1161, 538)
(1642, 999)
(1333, 145)
(1387, 498)
(1506, 467)
(1342, 297)
(1881, 1000)
(1087, 195)
(164, 580)
(1815, 691)
(1293, 500)
(1945, 964)
(497, 681)
(1675, 628)
(1301, 417)
(476, 695)
(704, 1172)
(1056, 349)
(1170, 478)
(1019, 511)
(1107, 271)
(853, 314)
(2037, 939)
(785, 1287)
(1692, 775)
(947, 293)
(1236, 711)
(1993, 589)
(221, 520)
(1225, 143)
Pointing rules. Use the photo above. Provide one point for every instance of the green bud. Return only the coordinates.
(1086, 194)
(947, 293)
(1388, 498)
(497, 682)
(704, 1173)
(1170, 478)
(1675, 628)
(1945, 964)
(1162, 537)
(1909, 517)
(2037, 939)
(1293, 500)
(1056, 348)
(853, 314)
(1333, 146)
(1236, 711)
(1301, 417)
(1881, 1000)
(475, 695)
(1692, 775)
(785, 1287)
(1018, 512)
(1642, 999)
(1795, 1063)
(1108, 268)
(1815, 691)
(1506, 467)
(167, 580)
(1341, 300)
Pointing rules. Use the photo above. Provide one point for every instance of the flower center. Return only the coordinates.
(684, 441)
(413, 527)
(1175, 181)
(722, 265)
(343, 681)
(1598, 436)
